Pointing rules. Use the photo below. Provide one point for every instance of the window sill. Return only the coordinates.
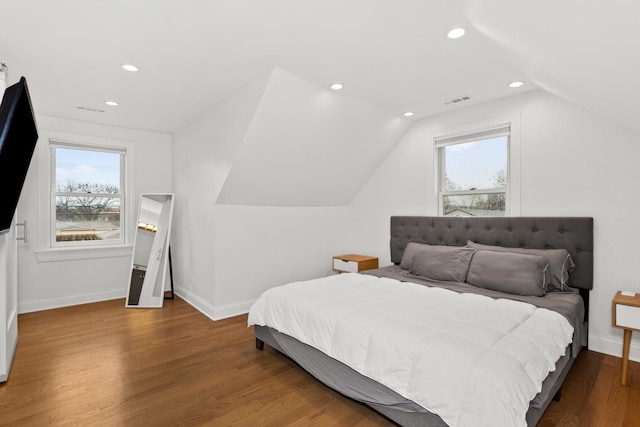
(72, 254)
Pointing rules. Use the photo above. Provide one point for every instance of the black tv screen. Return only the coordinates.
(18, 138)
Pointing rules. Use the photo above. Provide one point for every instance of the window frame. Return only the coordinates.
(508, 125)
(48, 248)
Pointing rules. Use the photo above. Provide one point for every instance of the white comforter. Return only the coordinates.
(473, 360)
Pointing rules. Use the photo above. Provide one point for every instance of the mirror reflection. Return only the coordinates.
(149, 263)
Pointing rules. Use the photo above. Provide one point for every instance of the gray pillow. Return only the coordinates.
(410, 250)
(560, 262)
(509, 272)
(445, 263)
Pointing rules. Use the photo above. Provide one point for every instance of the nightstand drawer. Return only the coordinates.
(344, 265)
(627, 316)
(626, 311)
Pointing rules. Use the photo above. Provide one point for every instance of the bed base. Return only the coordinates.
(395, 407)
(556, 397)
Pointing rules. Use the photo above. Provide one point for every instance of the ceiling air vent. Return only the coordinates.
(90, 109)
(458, 99)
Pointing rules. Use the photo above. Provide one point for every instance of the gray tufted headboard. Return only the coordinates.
(574, 234)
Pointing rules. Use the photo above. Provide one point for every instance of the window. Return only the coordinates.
(474, 172)
(87, 195)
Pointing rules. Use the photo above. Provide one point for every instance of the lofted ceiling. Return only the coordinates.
(391, 54)
(307, 147)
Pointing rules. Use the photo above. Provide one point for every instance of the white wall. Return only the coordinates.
(253, 248)
(227, 254)
(203, 154)
(244, 250)
(572, 163)
(44, 285)
(261, 247)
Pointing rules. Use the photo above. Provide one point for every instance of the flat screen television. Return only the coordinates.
(18, 138)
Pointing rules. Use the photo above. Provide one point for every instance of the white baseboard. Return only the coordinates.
(211, 311)
(214, 312)
(613, 347)
(48, 304)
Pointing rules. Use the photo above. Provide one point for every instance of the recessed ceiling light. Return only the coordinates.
(517, 83)
(336, 86)
(111, 103)
(456, 33)
(408, 113)
(130, 67)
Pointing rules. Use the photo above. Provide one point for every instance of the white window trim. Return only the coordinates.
(46, 252)
(513, 192)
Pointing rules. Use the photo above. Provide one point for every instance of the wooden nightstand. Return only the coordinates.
(352, 263)
(626, 315)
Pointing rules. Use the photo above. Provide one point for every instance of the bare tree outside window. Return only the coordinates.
(474, 177)
(88, 199)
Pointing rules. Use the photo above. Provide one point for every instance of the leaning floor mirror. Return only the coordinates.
(150, 259)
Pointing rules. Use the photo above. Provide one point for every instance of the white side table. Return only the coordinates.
(626, 315)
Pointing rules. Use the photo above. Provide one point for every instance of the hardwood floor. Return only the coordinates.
(106, 365)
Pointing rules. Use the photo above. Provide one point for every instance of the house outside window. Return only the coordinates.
(475, 173)
(87, 195)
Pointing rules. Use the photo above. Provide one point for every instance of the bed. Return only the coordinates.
(424, 351)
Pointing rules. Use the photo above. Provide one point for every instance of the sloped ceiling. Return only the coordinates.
(307, 146)
(391, 54)
(582, 51)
